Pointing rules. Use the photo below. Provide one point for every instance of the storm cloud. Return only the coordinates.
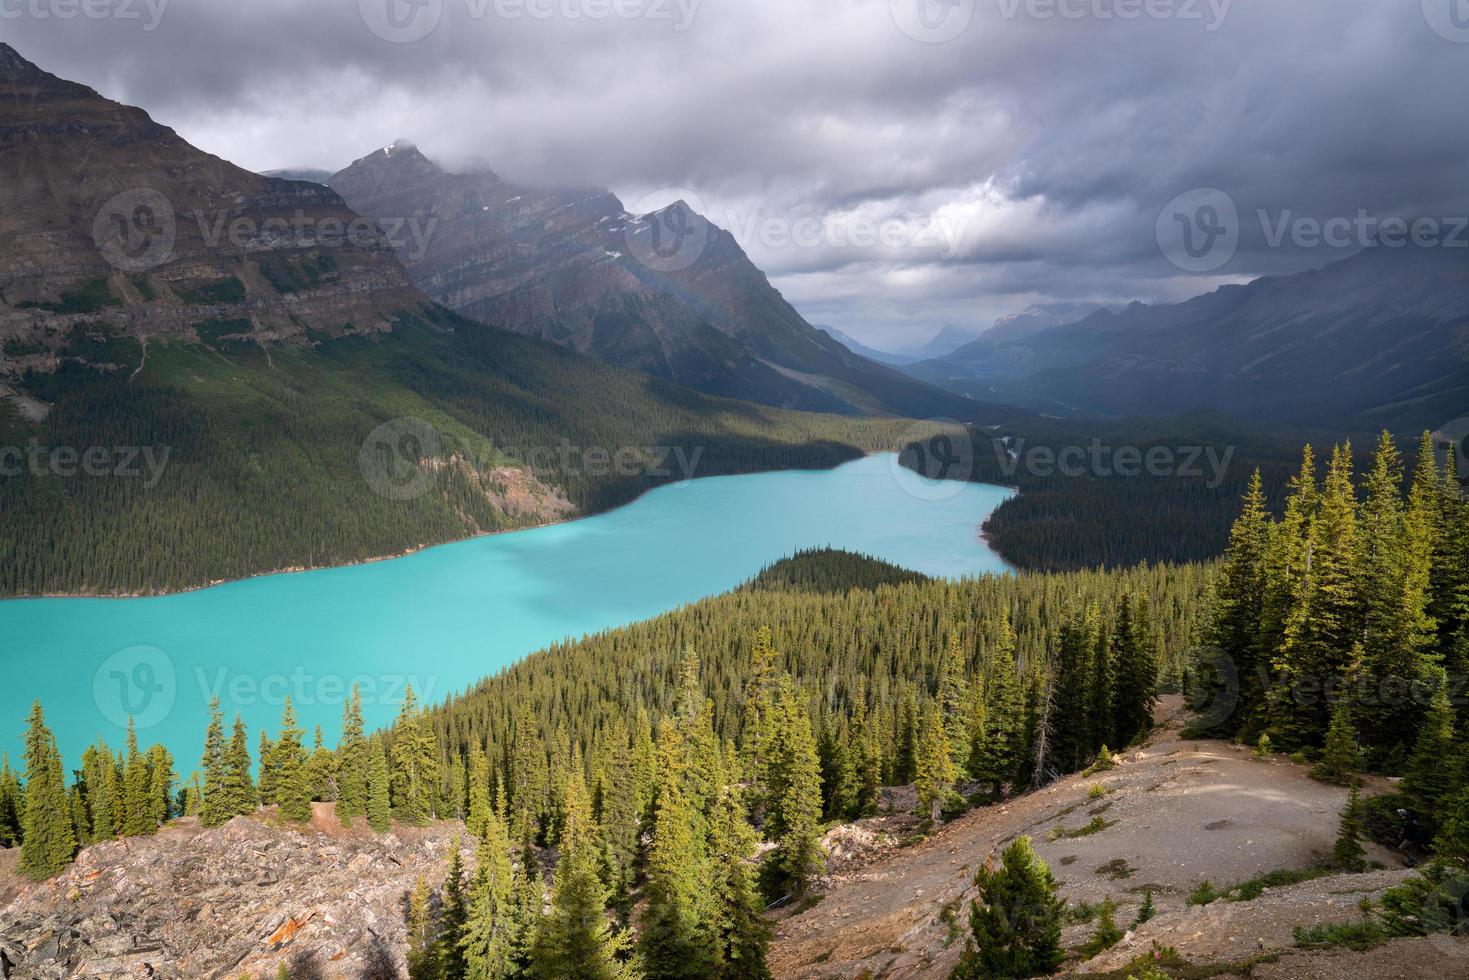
(896, 166)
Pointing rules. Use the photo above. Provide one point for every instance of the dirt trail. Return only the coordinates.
(1178, 812)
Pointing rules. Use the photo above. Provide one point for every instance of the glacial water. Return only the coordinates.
(447, 616)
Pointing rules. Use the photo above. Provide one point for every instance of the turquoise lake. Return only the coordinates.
(445, 617)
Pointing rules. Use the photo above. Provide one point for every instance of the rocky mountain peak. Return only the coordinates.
(13, 66)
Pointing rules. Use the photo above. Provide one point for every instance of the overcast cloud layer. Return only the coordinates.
(892, 183)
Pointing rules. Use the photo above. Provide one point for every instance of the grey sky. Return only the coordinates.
(890, 186)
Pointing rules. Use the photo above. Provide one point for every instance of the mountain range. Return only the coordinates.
(668, 293)
(262, 337)
(1379, 338)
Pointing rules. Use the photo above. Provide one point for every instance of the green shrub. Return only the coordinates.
(1204, 894)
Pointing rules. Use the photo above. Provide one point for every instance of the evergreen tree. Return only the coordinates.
(1430, 778)
(675, 943)
(576, 939)
(1348, 854)
(269, 771)
(740, 932)
(480, 812)
(415, 764)
(48, 841)
(239, 790)
(353, 762)
(1452, 844)
(137, 783)
(1015, 924)
(453, 919)
(423, 934)
(216, 807)
(321, 770)
(1000, 747)
(99, 773)
(1342, 756)
(936, 772)
(161, 778)
(1136, 663)
(953, 702)
(1239, 607)
(793, 796)
(379, 808)
(11, 805)
(491, 934)
(292, 782)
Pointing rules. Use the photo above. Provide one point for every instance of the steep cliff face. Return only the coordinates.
(111, 223)
(668, 293)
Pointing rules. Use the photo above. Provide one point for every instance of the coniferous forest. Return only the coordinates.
(617, 789)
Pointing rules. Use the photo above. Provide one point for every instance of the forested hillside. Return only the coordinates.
(258, 454)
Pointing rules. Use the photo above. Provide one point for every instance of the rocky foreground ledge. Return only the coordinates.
(239, 900)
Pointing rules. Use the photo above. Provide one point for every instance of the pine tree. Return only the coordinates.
(379, 808)
(674, 942)
(1429, 778)
(953, 702)
(292, 783)
(453, 919)
(491, 934)
(576, 939)
(415, 764)
(269, 771)
(1239, 610)
(1342, 757)
(137, 781)
(480, 812)
(11, 805)
(741, 933)
(1452, 844)
(1000, 748)
(1348, 854)
(936, 774)
(99, 772)
(1015, 924)
(48, 841)
(622, 812)
(239, 791)
(321, 770)
(1136, 663)
(161, 778)
(216, 807)
(353, 762)
(423, 934)
(793, 796)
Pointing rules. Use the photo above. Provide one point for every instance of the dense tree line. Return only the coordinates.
(1341, 629)
(262, 470)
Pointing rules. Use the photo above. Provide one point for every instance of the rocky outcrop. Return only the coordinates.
(114, 226)
(235, 901)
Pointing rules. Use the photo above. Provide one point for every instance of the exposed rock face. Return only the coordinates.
(238, 900)
(668, 293)
(110, 220)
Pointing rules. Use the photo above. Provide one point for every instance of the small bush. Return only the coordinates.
(1262, 748)
(1096, 791)
(1204, 894)
(1360, 936)
(1147, 911)
(1096, 825)
(1107, 934)
(1103, 762)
